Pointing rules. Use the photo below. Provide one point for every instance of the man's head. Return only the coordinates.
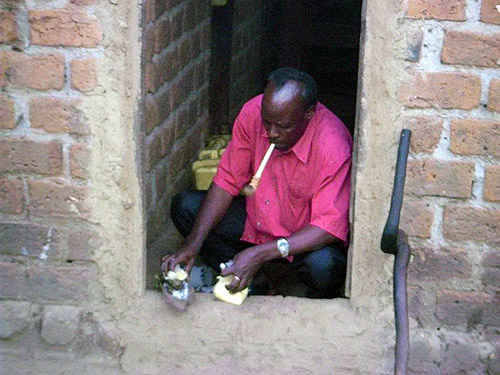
(287, 106)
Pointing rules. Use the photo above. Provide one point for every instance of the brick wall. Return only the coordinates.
(48, 59)
(176, 57)
(452, 208)
(246, 63)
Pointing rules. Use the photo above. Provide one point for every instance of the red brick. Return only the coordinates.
(185, 50)
(176, 26)
(150, 78)
(475, 137)
(157, 222)
(167, 137)
(11, 196)
(149, 43)
(491, 259)
(64, 28)
(469, 223)
(84, 74)
(82, 244)
(416, 219)
(205, 37)
(491, 269)
(22, 156)
(489, 11)
(4, 67)
(56, 115)
(441, 90)
(155, 8)
(494, 95)
(151, 114)
(79, 160)
(451, 10)
(440, 178)
(58, 283)
(29, 239)
(424, 354)
(472, 49)
(57, 198)
(161, 182)
(8, 27)
(7, 113)
(40, 72)
(178, 159)
(161, 7)
(462, 357)
(161, 35)
(189, 17)
(426, 132)
(13, 281)
(468, 308)
(181, 125)
(153, 150)
(492, 183)
(162, 105)
(149, 6)
(439, 265)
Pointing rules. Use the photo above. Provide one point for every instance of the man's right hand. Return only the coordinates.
(186, 256)
(212, 210)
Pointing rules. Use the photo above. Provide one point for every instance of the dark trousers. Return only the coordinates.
(323, 270)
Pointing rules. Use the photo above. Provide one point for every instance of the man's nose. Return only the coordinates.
(273, 132)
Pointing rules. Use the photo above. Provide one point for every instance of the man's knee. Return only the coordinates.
(187, 203)
(327, 267)
(184, 209)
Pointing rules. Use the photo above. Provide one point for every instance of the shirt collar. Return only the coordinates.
(302, 148)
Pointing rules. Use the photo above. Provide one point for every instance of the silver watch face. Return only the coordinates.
(283, 246)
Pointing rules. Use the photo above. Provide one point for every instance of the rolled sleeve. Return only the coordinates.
(234, 169)
(330, 203)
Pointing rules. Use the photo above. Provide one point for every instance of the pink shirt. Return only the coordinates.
(308, 184)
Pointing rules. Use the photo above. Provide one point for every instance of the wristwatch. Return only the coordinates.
(283, 247)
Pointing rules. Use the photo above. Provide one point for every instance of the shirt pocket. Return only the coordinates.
(295, 213)
(300, 189)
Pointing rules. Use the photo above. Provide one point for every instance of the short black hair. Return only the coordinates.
(309, 90)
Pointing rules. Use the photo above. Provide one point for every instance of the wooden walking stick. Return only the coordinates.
(250, 188)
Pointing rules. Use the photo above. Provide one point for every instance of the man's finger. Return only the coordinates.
(164, 263)
(227, 271)
(172, 264)
(189, 265)
(233, 285)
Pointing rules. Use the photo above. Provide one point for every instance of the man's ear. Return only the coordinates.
(310, 112)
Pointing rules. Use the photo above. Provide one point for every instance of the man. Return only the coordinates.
(300, 208)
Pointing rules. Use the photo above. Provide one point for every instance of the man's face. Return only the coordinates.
(284, 115)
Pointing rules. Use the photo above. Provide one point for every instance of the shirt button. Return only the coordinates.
(258, 223)
(267, 201)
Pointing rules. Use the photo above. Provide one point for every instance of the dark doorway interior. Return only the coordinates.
(321, 38)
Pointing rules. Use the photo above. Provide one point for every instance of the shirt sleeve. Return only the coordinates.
(330, 203)
(234, 168)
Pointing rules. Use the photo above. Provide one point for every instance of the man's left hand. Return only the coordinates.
(245, 266)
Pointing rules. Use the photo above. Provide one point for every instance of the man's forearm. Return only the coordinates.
(247, 262)
(307, 239)
(212, 211)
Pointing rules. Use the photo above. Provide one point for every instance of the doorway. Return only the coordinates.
(320, 37)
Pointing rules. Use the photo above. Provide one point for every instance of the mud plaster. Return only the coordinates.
(269, 335)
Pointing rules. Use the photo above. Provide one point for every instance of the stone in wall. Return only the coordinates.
(60, 324)
(15, 316)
